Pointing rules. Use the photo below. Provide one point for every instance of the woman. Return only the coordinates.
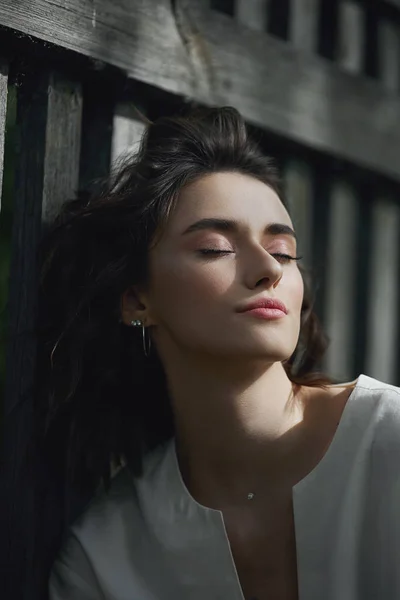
(177, 368)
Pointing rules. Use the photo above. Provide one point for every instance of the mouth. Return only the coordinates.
(270, 314)
(265, 308)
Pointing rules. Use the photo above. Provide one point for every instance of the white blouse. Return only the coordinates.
(148, 539)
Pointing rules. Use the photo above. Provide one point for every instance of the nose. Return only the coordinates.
(263, 270)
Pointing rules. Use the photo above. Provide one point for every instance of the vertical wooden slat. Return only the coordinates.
(3, 110)
(303, 25)
(63, 136)
(252, 13)
(382, 350)
(127, 131)
(298, 189)
(48, 126)
(389, 54)
(351, 36)
(96, 132)
(341, 282)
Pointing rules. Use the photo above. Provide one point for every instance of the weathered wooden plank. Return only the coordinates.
(3, 110)
(252, 13)
(206, 55)
(303, 25)
(341, 281)
(63, 138)
(48, 126)
(351, 36)
(384, 286)
(118, 32)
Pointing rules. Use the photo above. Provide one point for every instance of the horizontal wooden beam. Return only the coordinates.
(187, 49)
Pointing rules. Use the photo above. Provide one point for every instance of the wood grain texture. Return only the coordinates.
(3, 110)
(205, 55)
(63, 141)
(139, 36)
(48, 128)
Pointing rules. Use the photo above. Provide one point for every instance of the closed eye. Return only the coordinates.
(285, 258)
(209, 251)
(279, 256)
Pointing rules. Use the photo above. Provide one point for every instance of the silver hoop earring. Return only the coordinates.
(146, 342)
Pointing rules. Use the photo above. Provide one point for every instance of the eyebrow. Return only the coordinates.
(226, 225)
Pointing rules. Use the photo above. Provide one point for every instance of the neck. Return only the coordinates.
(232, 424)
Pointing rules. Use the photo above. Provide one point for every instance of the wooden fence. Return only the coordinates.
(320, 81)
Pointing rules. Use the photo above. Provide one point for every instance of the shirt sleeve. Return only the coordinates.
(72, 576)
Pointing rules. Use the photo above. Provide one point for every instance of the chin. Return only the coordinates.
(267, 353)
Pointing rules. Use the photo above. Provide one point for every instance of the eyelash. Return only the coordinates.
(285, 257)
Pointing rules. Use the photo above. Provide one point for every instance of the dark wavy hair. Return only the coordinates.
(98, 398)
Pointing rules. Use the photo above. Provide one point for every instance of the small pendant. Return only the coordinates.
(250, 496)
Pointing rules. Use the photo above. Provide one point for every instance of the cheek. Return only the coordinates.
(296, 290)
(188, 288)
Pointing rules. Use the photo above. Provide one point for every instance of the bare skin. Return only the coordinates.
(261, 531)
(238, 428)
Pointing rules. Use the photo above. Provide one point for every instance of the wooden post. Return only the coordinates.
(48, 131)
(303, 25)
(389, 54)
(351, 37)
(3, 110)
(383, 317)
(341, 280)
(299, 192)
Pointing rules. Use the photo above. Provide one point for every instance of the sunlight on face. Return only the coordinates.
(202, 273)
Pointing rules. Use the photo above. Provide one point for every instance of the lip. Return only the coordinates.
(268, 307)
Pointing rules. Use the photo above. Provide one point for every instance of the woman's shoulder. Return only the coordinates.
(104, 538)
(107, 506)
(385, 397)
(375, 405)
(119, 507)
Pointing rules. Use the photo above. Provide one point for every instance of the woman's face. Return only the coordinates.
(227, 243)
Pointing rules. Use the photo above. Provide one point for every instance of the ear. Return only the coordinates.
(135, 305)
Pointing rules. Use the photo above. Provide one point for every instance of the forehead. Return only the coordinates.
(230, 196)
